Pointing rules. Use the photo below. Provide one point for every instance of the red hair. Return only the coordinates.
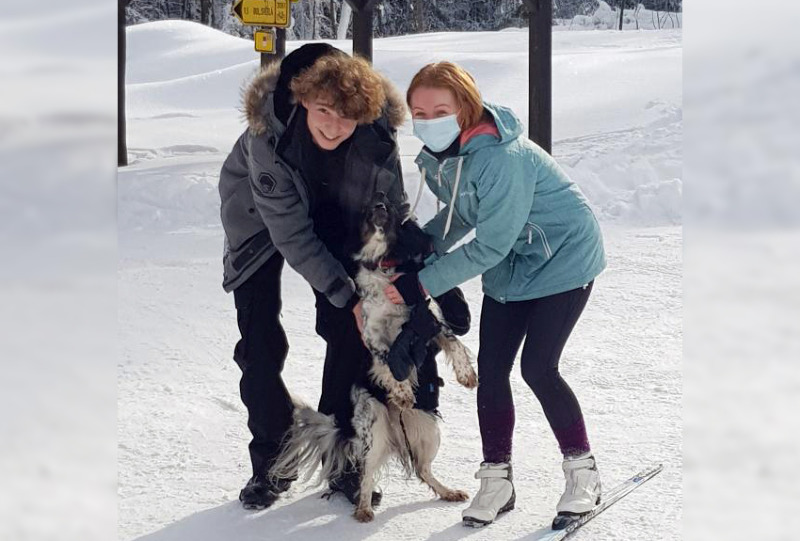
(457, 80)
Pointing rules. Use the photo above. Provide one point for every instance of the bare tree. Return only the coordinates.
(344, 21)
(205, 12)
(621, 12)
(419, 16)
(669, 7)
(313, 19)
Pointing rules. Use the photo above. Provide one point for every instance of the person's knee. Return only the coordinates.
(264, 356)
(494, 395)
(335, 326)
(539, 379)
(491, 377)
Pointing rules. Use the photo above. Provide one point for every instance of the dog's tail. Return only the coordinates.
(313, 440)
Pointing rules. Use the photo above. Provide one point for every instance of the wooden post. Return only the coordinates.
(122, 146)
(362, 27)
(280, 49)
(540, 73)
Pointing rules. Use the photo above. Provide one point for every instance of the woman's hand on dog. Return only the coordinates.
(358, 314)
(393, 292)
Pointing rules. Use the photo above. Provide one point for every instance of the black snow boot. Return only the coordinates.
(349, 484)
(261, 491)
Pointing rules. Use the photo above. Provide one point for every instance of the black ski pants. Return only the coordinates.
(262, 351)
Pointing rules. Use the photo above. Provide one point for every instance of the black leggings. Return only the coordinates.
(545, 324)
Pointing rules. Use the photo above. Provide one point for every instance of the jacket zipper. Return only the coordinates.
(438, 176)
(439, 184)
(504, 298)
(545, 244)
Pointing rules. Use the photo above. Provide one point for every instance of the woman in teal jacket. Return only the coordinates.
(538, 248)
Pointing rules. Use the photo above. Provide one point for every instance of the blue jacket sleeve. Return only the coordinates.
(435, 228)
(505, 198)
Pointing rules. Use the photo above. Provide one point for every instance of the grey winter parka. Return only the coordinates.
(265, 203)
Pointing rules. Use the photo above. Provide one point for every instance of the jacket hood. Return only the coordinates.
(509, 127)
(257, 101)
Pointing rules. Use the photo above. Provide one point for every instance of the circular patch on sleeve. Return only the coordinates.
(267, 182)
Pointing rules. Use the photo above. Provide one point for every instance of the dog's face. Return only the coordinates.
(379, 228)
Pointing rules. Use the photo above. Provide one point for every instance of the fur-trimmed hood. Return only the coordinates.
(256, 102)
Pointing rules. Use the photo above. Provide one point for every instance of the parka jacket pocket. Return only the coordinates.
(536, 231)
(240, 217)
(533, 244)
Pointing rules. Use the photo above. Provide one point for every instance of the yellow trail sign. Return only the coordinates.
(263, 12)
(264, 41)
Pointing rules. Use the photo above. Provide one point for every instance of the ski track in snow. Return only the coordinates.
(182, 427)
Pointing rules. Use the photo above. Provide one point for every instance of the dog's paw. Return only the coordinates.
(364, 515)
(468, 378)
(402, 396)
(455, 496)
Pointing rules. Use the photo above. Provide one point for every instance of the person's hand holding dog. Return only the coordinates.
(411, 346)
(455, 311)
(405, 289)
(359, 315)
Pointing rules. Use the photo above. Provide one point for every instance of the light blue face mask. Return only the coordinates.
(437, 133)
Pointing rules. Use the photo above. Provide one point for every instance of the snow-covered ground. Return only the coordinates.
(182, 433)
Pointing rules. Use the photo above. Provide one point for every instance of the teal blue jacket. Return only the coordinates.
(535, 234)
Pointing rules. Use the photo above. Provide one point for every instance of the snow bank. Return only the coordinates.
(617, 114)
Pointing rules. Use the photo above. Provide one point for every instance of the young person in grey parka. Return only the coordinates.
(320, 143)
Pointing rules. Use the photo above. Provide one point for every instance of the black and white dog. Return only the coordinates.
(383, 430)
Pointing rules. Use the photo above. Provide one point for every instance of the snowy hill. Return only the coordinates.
(617, 111)
(182, 434)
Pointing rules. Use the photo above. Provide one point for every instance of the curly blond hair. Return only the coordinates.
(349, 85)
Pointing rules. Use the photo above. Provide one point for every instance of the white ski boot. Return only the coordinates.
(583, 490)
(495, 496)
